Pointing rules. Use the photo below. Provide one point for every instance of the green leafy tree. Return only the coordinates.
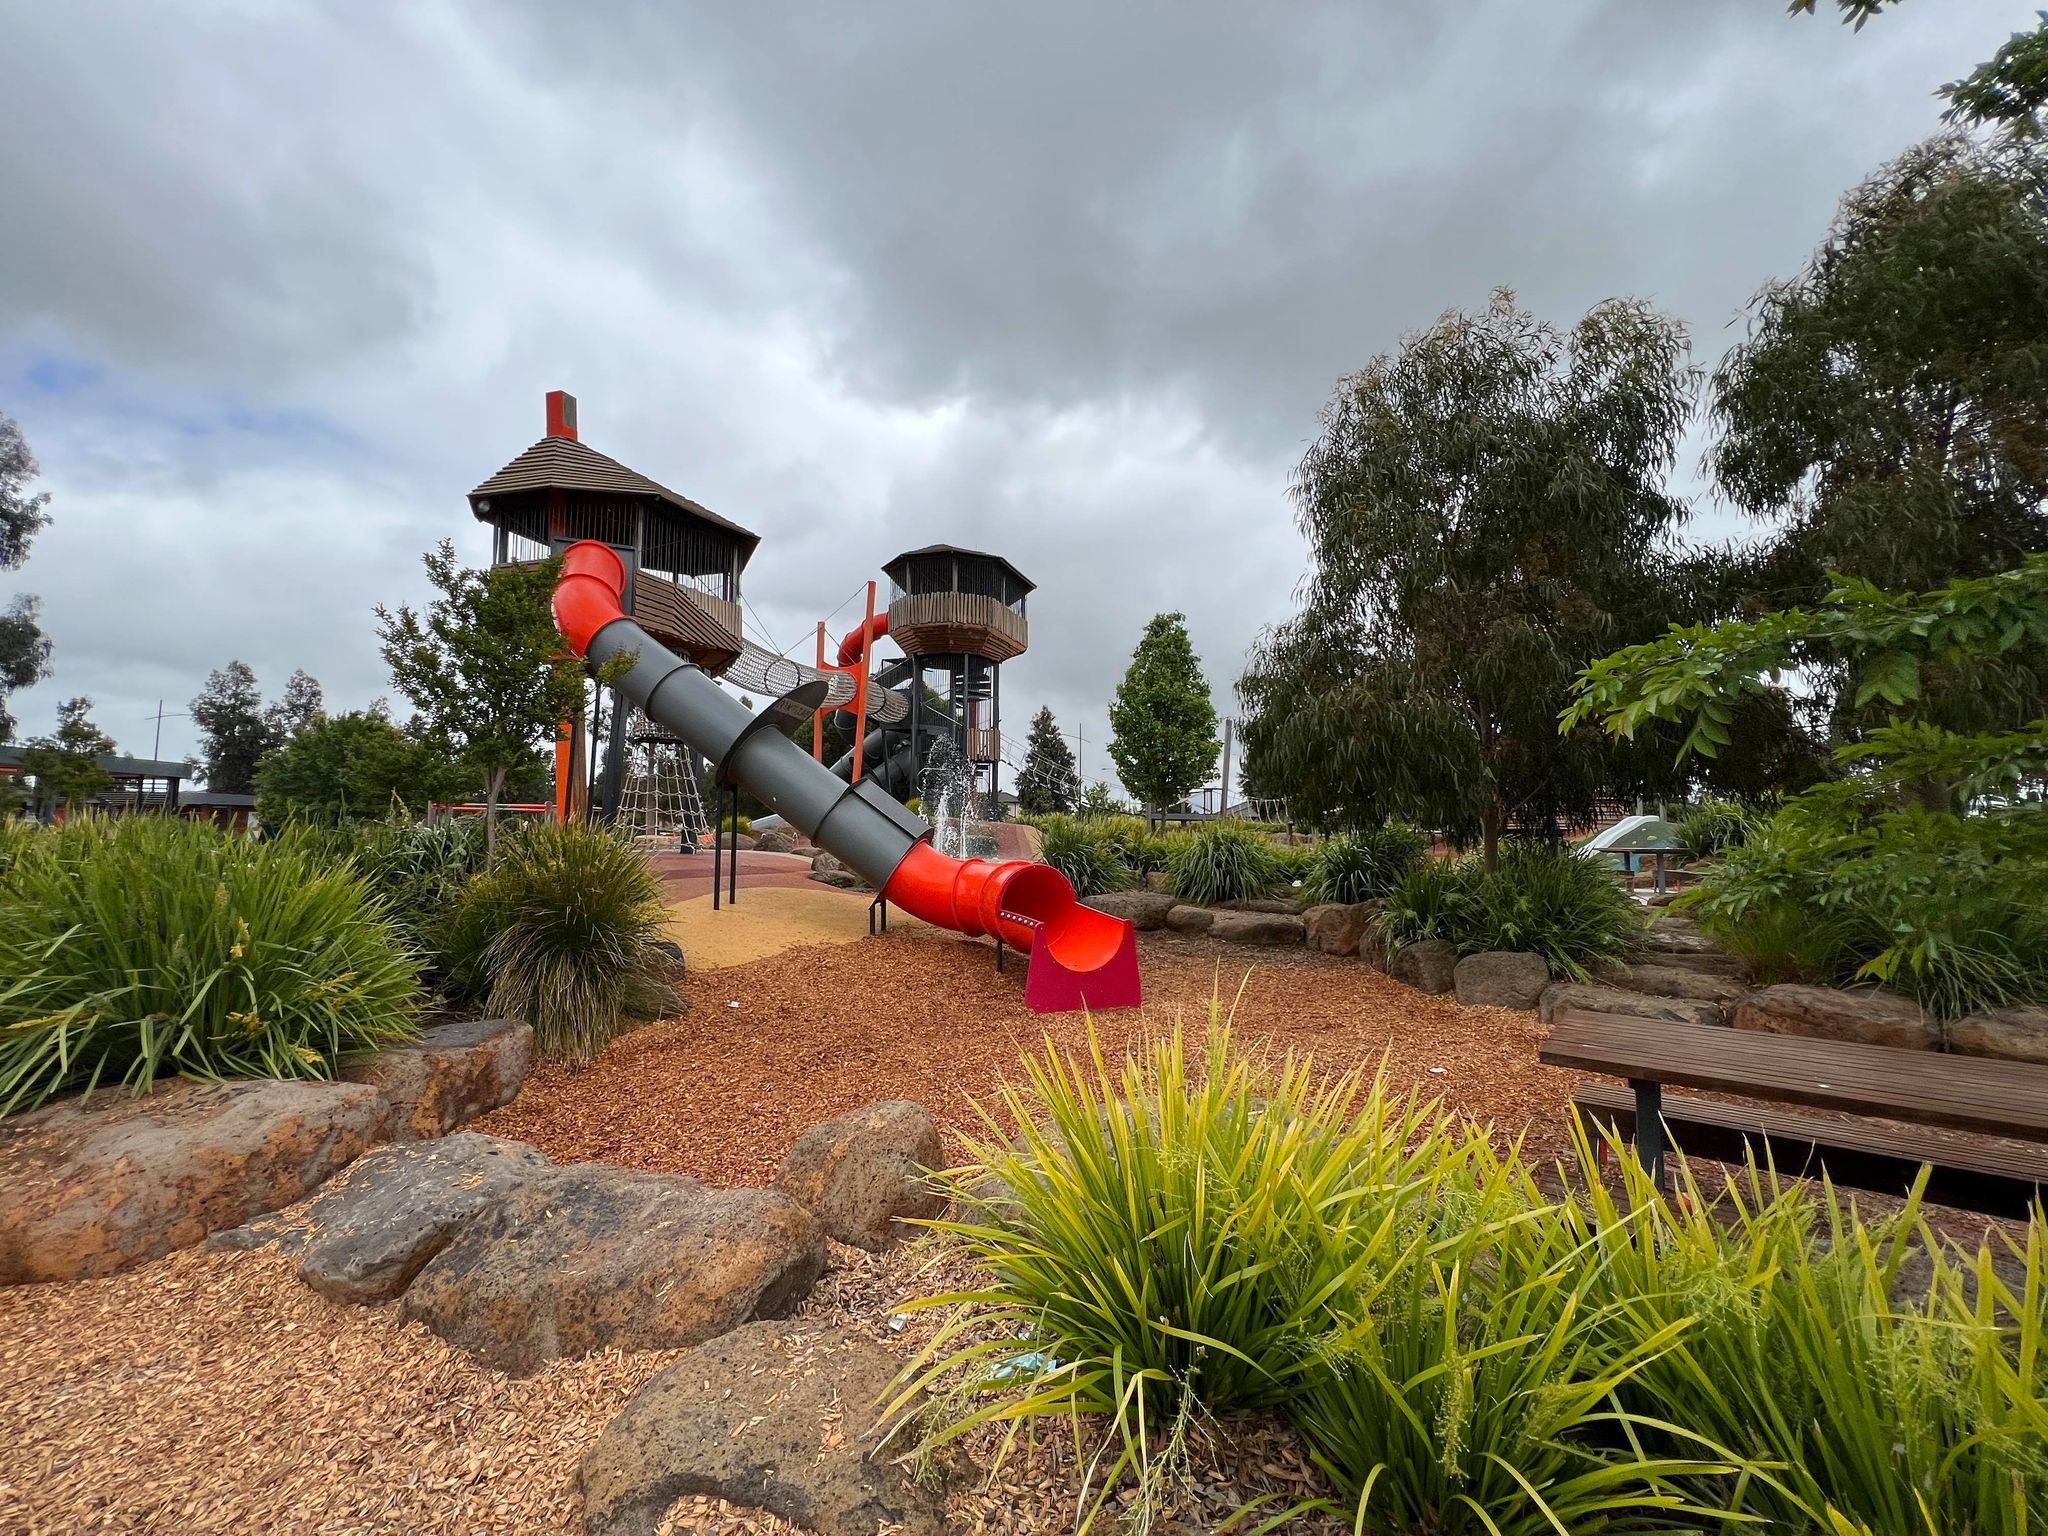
(1888, 412)
(24, 648)
(300, 705)
(355, 765)
(485, 668)
(235, 733)
(1099, 800)
(2008, 90)
(1854, 12)
(1887, 416)
(1925, 865)
(1162, 722)
(1486, 513)
(65, 765)
(1048, 781)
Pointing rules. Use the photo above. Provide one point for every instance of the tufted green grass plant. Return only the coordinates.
(1222, 861)
(1365, 865)
(147, 945)
(1170, 1235)
(1877, 1380)
(562, 932)
(1085, 852)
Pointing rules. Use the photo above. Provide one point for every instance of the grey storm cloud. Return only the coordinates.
(278, 284)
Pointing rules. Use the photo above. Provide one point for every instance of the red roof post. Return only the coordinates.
(561, 414)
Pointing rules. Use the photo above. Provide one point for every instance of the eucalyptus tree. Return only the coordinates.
(1886, 417)
(1486, 512)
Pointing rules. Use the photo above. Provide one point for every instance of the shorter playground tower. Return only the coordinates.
(957, 615)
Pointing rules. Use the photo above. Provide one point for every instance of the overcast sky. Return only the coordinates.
(280, 283)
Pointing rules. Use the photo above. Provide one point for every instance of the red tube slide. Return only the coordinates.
(1080, 958)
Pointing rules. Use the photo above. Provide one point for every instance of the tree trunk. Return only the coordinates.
(494, 787)
(1491, 821)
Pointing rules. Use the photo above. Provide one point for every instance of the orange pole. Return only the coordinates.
(818, 715)
(562, 774)
(860, 689)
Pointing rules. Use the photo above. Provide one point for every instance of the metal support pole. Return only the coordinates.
(860, 686)
(1650, 1128)
(732, 894)
(717, 841)
(818, 716)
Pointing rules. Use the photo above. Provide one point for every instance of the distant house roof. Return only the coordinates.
(890, 570)
(564, 463)
(120, 767)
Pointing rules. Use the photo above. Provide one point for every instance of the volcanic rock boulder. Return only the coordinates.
(1145, 910)
(1865, 1016)
(1342, 928)
(1635, 1005)
(863, 1172)
(774, 1416)
(1686, 948)
(590, 1256)
(449, 1076)
(1429, 965)
(1185, 918)
(88, 1187)
(1671, 981)
(1501, 978)
(1272, 929)
(2016, 1034)
(370, 1231)
(775, 840)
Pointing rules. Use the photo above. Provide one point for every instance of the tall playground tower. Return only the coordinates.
(682, 585)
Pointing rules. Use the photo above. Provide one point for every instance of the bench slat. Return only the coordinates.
(1999, 1180)
(1969, 1093)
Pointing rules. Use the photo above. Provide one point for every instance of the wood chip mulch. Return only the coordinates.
(211, 1392)
(769, 1049)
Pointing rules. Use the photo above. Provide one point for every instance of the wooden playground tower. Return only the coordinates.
(957, 614)
(683, 564)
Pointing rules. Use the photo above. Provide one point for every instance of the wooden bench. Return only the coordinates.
(1928, 1089)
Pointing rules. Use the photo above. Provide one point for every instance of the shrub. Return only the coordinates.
(1162, 1243)
(1951, 910)
(1228, 1201)
(1084, 853)
(419, 870)
(1462, 1352)
(743, 825)
(1551, 900)
(1712, 825)
(148, 944)
(1222, 861)
(561, 932)
(1365, 866)
(1429, 901)
(1876, 1405)
(1543, 898)
(1293, 863)
(1469, 1385)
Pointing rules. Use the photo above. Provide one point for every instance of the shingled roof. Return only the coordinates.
(564, 463)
